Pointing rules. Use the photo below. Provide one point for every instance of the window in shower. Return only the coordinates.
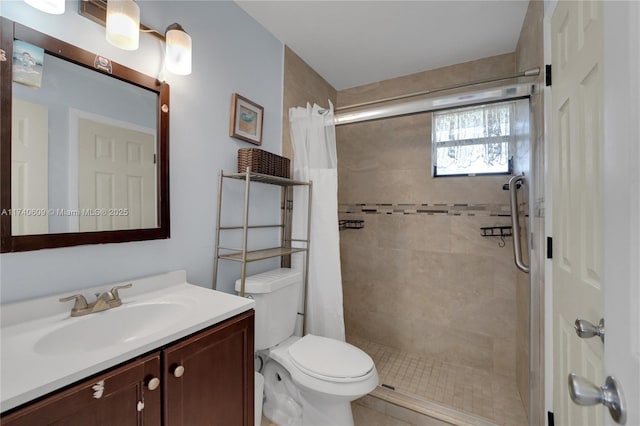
(473, 140)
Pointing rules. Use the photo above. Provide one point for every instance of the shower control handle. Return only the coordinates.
(585, 330)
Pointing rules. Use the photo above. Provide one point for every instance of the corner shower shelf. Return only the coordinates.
(496, 231)
(243, 255)
(350, 224)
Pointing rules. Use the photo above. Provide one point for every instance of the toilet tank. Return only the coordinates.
(277, 294)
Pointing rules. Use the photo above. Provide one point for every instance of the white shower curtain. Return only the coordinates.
(313, 138)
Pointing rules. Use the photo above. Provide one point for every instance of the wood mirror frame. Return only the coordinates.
(9, 31)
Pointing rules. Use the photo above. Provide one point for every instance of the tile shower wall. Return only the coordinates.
(419, 276)
(432, 284)
(302, 84)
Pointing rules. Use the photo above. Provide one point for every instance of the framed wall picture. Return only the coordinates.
(28, 62)
(246, 120)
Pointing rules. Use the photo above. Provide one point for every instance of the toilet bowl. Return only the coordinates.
(282, 404)
(312, 381)
(308, 380)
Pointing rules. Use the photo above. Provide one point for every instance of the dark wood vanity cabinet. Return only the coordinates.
(119, 397)
(209, 377)
(204, 379)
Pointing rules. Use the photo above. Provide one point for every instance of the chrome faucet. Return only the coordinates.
(107, 300)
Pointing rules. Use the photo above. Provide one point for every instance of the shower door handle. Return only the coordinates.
(515, 222)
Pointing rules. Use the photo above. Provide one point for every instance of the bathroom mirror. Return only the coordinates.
(84, 146)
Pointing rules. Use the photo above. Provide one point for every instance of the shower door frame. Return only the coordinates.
(536, 185)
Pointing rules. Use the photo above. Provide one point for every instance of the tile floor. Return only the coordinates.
(470, 390)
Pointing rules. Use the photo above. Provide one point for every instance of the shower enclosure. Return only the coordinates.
(435, 300)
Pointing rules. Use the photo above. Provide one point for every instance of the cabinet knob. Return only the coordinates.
(153, 383)
(178, 371)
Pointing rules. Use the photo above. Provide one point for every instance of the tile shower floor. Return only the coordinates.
(467, 389)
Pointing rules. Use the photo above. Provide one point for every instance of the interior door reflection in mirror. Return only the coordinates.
(83, 152)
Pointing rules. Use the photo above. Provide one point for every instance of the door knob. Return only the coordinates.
(583, 392)
(585, 330)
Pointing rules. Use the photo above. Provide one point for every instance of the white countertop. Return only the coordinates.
(27, 373)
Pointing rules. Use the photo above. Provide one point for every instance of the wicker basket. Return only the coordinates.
(262, 162)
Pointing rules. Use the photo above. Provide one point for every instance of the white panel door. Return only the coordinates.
(29, 168)
(117, 177)
(576, 162)
(595, 49)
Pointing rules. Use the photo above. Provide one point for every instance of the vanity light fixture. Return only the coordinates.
(177, 50)
(122, 21)
(123, 24)
(177, 53)
(54, 7)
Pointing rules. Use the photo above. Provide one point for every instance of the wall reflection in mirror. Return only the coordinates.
(83, 149)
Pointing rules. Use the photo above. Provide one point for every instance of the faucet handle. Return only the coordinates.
(114, 290)
(80, 302)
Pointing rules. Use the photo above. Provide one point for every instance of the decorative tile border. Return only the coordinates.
(428, 209)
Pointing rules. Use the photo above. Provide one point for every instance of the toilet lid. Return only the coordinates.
(321, 356)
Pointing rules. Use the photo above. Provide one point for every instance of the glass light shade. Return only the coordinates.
(123, 24)
(55, 7)
(178, 50)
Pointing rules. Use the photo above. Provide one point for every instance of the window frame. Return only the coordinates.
(510, 141)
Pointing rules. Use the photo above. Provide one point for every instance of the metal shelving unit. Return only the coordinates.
(242, 254)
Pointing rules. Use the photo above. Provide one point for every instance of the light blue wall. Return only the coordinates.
(231, 53)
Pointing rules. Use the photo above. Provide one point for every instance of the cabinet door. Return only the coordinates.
(109, 399)
(209, 376)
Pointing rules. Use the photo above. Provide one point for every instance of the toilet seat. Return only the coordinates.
(329, 359)
(331, 387)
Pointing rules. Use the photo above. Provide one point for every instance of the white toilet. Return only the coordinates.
(310, 380)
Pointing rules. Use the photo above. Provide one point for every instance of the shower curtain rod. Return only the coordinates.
(435, 103)
(528, 73)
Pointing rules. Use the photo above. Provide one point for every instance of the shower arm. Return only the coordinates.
(515, 222)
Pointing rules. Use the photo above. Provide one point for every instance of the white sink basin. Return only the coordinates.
(111, 327)
(44, 349)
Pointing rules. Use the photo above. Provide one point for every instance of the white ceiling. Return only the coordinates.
(356, 42)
